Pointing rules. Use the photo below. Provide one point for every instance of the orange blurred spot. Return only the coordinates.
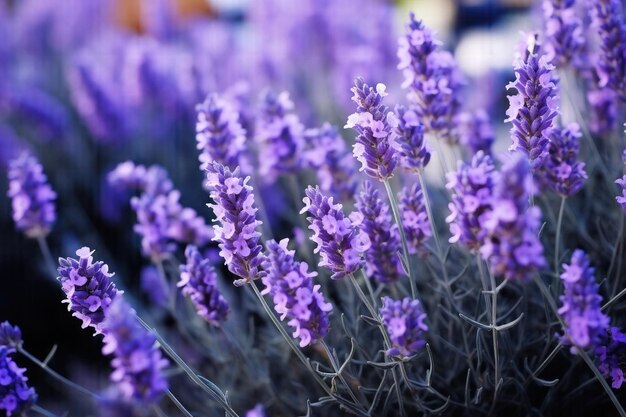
(128, 12)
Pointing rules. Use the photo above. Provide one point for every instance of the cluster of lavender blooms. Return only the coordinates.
(414, 218)
(382, 262)
(611, 356)
(534, 107)
(475, 131)
(16, 397)
(162, 221)
(374, 124)
(10, 336)
(561, 171)
(412, 150)
(621, 199)
(280, 136)
(563, 33)
(339, 240)
(238, 237)
(586, 324)
(609, 22)
(198, 281)
(433, 78)
(405, 322)
(295, 297)
(511, 243)
(88, 288)
(137, 362)
(31, 196)
(332, 161)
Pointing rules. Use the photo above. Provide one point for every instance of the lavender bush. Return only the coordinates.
(441, 254)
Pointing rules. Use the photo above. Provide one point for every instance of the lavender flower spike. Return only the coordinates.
(472, 188)
(219, 135)
(10, 336)
(339, 241)
(405, 322)
(621, 199)
(511, 243)
(16, 397)
(563, 32)
(381, 259)
(476, 132)
(412, 149)
(562, 171)
(375, 126)
(137, 363)
(534, 107)
(31, 196)
(198, 281)
(610, 25)
(295, 297)
(611, 356)
(88, 287)
(581, 304)
(233, 205)
(414, 217)
(280, 136)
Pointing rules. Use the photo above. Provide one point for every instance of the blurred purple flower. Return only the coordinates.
(31, 196)
(257, 411)
(16, 397)
(472, 189)
(611, 355)
(382, 262)
(581, 303)
(154, 286)
(237, 234)
(375, 126)
(88, 287)
(611, 69)
(511, 244)
(562, 171)
(198, 281)
(332, 162)
(338, 239)
(412, 150)
(405, 323)
(433, 78)
(294, 295)
(563, 31)
(535, 105)
(219, 134)
(414, 217)
(150, 180)
(137, 363)
(10, 336)
(475, 131)
(280, 136)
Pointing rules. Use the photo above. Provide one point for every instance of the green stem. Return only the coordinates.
(405, 247)
(494, 324)
(56, 375)
(559, 223)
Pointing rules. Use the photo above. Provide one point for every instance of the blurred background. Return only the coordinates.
(86, 85)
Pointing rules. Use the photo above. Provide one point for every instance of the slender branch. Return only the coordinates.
(557, 242)
(178, 404)
(42, 411)
(47, 255)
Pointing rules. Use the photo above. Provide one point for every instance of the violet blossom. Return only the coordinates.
(414, 217)
(611, 69)
(611, 355)
(563, 31)
(405, 323)
(475, 131)
(412, 150)
(561, 171)
(16, 397)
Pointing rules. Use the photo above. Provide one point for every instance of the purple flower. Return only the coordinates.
(404, 321)
(375, 126)
(257, 411)
(621, 199)
(10, 336)
(534, 107)
(563, 31)
(472, 189)
(585, 323)
(130, 177)
(219, 134)
(611, 68)
(16, 397)
(433, 78)
(332, 162)
(412, 150)
(198, 281)
(280, 136)
(153, 285)
(381, 260)
(295, 297)
(603, 102)
(414, 217)
(611, 355)
(88, 287)
(233, 205)
(339, 241)
(562, 171)
(137, 363)
(31, 196)
(476, 132)
(511, 243)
